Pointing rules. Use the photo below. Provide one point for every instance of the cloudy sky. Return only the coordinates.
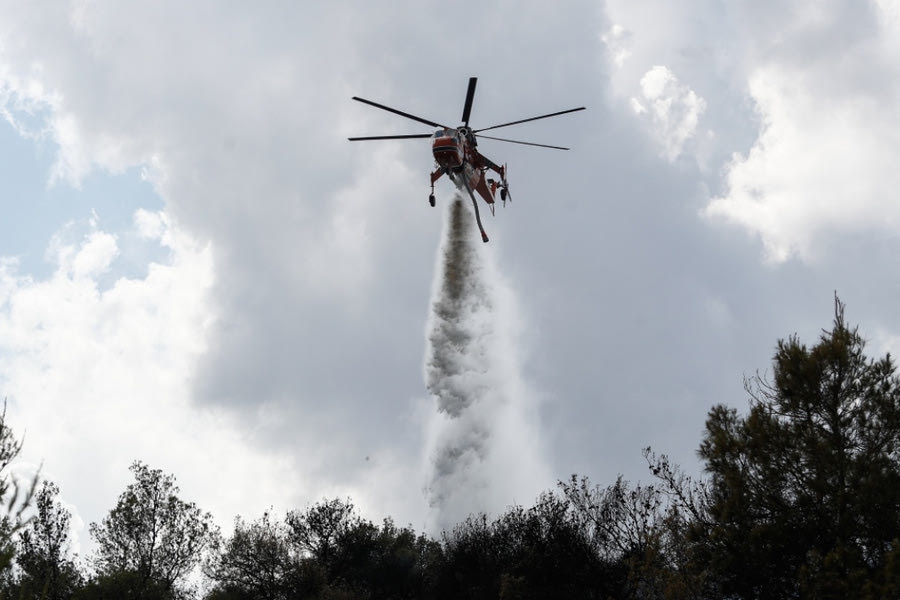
(199, 271)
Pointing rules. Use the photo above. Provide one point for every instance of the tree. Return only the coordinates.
(673, 566)
(318, 530)
(386, 562)
(643, 529)
(544, 551)
(621, 520)
(152, 535)
(624, 524)
(125, 585)
(805, 489)
(345, 556)
(471, 566)
(258, 561)
(47, 572)
(15, 497)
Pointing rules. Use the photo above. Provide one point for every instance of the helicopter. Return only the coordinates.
(456, 154)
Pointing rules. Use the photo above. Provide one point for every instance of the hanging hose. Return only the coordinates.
(484, 236)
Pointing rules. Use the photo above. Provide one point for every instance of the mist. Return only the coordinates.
(484, 446)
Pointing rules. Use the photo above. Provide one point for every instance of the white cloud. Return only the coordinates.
(617, 40)
(890, 11)
(94, 257)
(89, 371)
(798, 104)
(825, 158)
(24, 101)
(672, 108)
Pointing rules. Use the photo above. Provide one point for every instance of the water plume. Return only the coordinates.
(484, 448)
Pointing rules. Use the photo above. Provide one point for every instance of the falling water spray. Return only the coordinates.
(484, 448)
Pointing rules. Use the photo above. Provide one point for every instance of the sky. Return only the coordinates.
(199, 271)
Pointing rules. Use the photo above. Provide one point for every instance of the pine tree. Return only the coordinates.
(15, 496)
(47, 571)
(805, 489)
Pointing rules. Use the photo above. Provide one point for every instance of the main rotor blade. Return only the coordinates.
(390, 137)
(399, 112)
(467, 107)
(487, 137)
(562, 112)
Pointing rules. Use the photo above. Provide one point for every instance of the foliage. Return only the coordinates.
(805, 490)
(257, 561)
(15, 497)
(47, 571)
(357, 558)
(325, 551)
(152, 536)
(318, 531)
(540, 552)
(643, 529)
(126, 584)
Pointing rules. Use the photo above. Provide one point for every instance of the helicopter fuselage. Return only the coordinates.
(449, 148)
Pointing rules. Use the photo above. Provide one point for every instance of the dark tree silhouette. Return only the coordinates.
(318, 530)
(15, 496)
(355, 558)
(805, 489)
(257, 561)
(151, 535)
(47, 570)
(541, 552)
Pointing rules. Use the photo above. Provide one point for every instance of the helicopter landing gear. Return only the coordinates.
(504, 187)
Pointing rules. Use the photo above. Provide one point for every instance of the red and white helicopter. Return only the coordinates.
(456, 152)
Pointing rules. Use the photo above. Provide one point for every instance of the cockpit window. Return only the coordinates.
(446, 133)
